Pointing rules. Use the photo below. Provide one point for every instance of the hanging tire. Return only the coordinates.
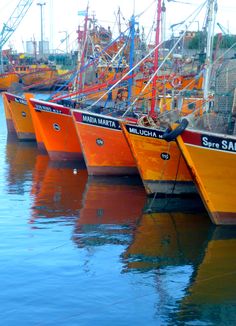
(172, 134)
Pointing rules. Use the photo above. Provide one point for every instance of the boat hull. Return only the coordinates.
(161, 165)
(40, 78)
(57, 130)
(104, 146)
(212, 160)
(38, 133)
(9, 122)
(21, 117)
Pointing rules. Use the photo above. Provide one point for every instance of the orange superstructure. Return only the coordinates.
(161, 165)
(7, 79)
(21, 116)
(104, 146)
(57, 130)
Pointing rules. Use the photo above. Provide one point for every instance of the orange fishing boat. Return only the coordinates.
(161, 166)
(211, 158)
(57, 130)
(35, 76)
(104, 146)
(208, 144)
(10, 125)
(37, 127)
(7, 79)
(21, 117)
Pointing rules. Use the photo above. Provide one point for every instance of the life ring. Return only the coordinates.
(172, 134)
(176, 82)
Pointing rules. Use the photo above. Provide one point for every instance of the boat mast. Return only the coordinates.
(84, 41)
(131, 56)
(156, 58)
(212, 8)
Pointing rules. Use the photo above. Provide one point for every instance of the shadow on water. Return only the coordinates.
(170, 243)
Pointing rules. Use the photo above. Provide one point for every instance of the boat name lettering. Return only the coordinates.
(103, 122)
(107, 123)
(144, 132)
(229, 145)
(20, 100)
(210, 143)
(89, 119)
(219, 143)
(46, 108)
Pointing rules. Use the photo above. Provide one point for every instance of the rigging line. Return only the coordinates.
(195, 12)
(90, 62)
(179, 92)
(124, 76)
(138, 15)
(223, 54)
(155, 73)
(166, 58)
(151, 28)
(177, 171)
(214, 63)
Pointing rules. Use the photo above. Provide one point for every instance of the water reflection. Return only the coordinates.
(111, 207)
(192, 263)
(169, 237)
(161, 261)
(57, 188)
(211, 295)
(20, 161)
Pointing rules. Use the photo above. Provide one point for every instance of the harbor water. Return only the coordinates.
(81, 251)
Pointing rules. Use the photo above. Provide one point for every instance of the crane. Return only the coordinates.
(11, 25)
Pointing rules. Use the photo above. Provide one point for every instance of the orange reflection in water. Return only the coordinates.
(112, 200)
(57, 188)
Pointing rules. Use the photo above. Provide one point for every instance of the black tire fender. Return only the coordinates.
(172, 134)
